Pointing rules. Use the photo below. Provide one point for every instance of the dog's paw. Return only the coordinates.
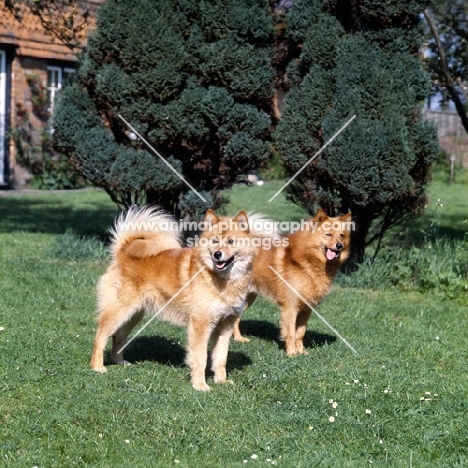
(222, 380)
(241, 339)
(201, 386)
(102, 368)
(122, 362)
(300, 348)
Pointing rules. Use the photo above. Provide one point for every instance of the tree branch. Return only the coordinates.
(61, 18)
(444, 70)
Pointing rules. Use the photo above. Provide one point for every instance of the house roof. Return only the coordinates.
(25, 30)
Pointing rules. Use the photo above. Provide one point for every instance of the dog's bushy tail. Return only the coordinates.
(260, 226)
(145, 231)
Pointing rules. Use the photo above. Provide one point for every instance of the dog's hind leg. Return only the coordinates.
(120, 337)
(97, 359)
(110, 321)
(197, 352)
(237, 333)
(220, 342)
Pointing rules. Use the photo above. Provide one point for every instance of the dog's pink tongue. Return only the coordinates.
(220, 265)
(330, 254)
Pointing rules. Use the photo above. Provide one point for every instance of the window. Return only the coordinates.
(55, 78)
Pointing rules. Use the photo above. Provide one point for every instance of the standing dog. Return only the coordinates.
(308, 261)
(202, 287)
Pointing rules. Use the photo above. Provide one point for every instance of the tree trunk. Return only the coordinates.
(362, 222)
(445, 72)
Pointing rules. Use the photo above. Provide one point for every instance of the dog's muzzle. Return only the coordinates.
(331, 254)
(221, 264)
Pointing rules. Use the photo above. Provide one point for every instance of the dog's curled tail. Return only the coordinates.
(145, 231)
(260, 226)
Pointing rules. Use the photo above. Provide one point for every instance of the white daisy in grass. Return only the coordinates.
(331, 419)
(334, 404)
(368, 411)
(426, 398)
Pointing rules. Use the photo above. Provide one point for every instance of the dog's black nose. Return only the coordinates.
(339, 246)
(218, 254)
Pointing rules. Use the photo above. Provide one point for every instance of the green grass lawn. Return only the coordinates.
(402, 400)
(447, 210)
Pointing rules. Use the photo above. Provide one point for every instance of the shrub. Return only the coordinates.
(357, 58)
(194, 77)
(441, 266)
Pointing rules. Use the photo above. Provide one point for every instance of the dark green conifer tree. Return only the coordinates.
(195, 78)
(357, 58)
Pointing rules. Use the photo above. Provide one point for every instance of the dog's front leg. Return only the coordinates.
(301, 328)
(288, 327)
(197, 353)
(220, 342)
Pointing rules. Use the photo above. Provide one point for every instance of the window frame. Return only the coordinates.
(63, 72)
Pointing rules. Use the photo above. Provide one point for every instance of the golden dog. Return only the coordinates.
(202, 287)
(308, 261)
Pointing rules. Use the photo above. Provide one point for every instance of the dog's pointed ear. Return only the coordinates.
(211, 217)
(243, 220)
(346, 217)
(320, 216)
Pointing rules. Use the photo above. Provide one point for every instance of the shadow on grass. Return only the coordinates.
(447, 227)
(270, 332)
(53, 214)
(170, 353)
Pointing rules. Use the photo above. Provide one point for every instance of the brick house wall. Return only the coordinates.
(29, 53)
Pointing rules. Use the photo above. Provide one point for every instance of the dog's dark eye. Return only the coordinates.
(231, 241)
(214, 240)
(328, 234)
